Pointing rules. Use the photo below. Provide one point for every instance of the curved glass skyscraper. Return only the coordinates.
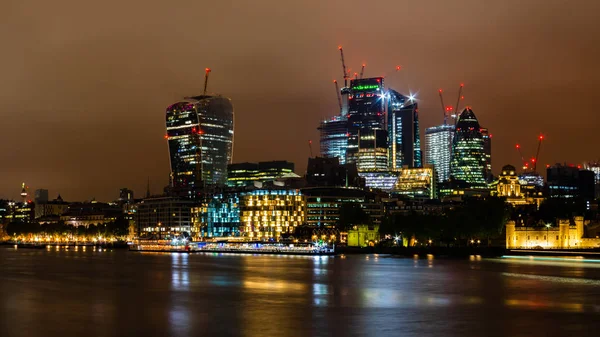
(468, 162)
(200, 136)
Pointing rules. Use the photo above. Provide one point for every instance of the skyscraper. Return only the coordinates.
(403, 129)
(372, 151)
(200, 136)
(366, 112)
(468, 162)
(438, 140)
(487, 149)
(334, 138)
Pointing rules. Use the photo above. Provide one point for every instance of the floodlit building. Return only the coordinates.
(267, 214)
(416, 183)
(516, 191)
(468, 162)
(438, 142)
(200, 138)
(567, 235)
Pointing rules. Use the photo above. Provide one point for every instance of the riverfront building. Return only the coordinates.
(267, 214)
(567, 235)
(164, 216)
(200, 138)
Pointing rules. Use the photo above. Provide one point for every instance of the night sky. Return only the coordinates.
(85, 84)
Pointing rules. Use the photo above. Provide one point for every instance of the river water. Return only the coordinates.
(57, 292)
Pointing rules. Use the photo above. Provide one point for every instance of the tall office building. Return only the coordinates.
(487, 149)
(438, 140)
(468, 162)
(403, 129)
(366, 112)
(372, 151)
(200, 136)
(334, 138)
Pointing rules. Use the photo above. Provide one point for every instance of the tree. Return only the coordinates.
(352, 214)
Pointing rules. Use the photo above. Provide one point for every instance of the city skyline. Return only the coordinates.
(82, 143)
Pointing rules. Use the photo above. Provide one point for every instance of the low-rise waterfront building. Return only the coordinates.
(566, 235)
(363, 236)
(267, 214)
(163, 216)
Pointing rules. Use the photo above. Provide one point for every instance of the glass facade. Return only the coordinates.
(403, 130)
(334, 138)
(223, 215)
(487, 149)
(468, 162)
(438, 141)
(200, 137)
(245, 174)
(366, 112)
(416, 182)
(323, 205)
(380, 180)
(267, 214)
(372, 152)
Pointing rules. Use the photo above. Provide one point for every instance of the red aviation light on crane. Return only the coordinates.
(340, 47)
(440, 91)
(166, 136)
(518, 146)
(398, 68)
(547, 165)
(462, 84)
(541, 137)
(579, 167)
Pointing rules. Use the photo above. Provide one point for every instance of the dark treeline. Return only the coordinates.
(118, 228)
(476, 219)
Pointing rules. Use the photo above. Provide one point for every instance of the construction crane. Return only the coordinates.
(337, 92)
(355, 76)
(537, 154)
(444, 109)
(458, 99)
(343, 66)
(362, 71)
(310, 148)
(207, 70)
(521, 154)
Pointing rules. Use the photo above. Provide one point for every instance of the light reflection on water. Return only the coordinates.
(126, 293)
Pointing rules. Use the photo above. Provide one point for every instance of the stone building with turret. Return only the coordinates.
(567, 235)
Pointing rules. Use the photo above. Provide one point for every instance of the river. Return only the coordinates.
(58, 292)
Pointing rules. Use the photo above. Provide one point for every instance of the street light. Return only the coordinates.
(547, 231)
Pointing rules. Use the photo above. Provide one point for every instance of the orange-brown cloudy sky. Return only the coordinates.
(85, 84)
